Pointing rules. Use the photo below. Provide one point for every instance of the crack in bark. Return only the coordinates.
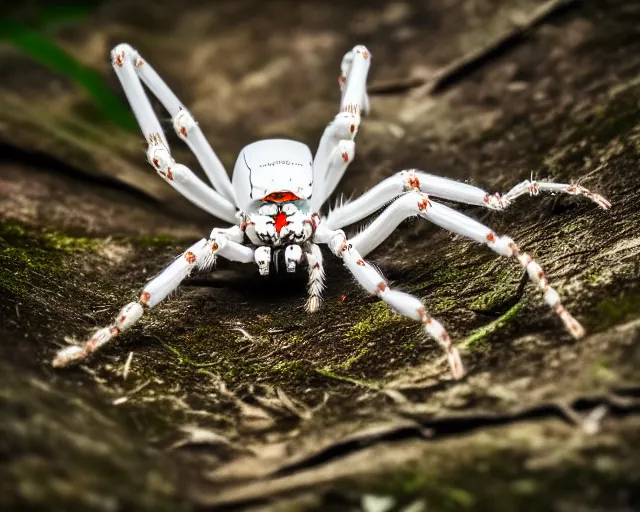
(449, 75)
(38, 160)
(620, 402)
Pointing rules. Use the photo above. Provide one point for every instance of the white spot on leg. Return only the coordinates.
(551, 297)
(183, 123)
(129, 315)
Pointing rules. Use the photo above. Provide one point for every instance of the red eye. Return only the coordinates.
(281, 197)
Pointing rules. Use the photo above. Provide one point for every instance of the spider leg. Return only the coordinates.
(316, 277)
(436, 186)
(132, 71)
(200, 256)
(417, 203)
(372, 281)
(336, 148)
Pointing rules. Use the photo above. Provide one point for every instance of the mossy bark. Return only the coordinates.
(235, 396)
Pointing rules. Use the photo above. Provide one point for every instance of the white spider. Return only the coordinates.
(276, 194)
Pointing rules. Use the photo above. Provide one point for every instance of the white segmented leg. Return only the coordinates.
(228, 244)
(316, 277)
(436, 186)
(263, 259)
(335, 152)
(154, 292)
(372, 281)
(336, 148)
(353, 80)
(189, 131)
(199, 256)
(417, 203)
(340, 158)
(533, 188)
(187, 183)
(292, 257)
(232, 251)
(130, 69)
(183, 122)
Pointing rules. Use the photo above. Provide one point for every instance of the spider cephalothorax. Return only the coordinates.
(275, 198)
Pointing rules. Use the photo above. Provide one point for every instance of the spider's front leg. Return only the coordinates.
(200, 256)
(132, 71)
(372, 281)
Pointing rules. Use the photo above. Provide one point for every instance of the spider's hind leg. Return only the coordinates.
(417, 203)
(403, 303)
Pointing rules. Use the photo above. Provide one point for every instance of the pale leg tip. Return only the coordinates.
(68, 356)
(313, 305)
(455, 362)
(576, 330)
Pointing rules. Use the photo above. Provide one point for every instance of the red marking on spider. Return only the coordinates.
(352, 128)
(122, 318)
(190, 257)
(343, 298)
(541, 275)
(491, 238)
(139, 63)
(183, 131)
(281, 197)
(144, 298)
(316, 266)
(156, 163)
(214, 246)
(365, 55)
(169, 175)
(342, 80)
(345, 157)
(413, 182)
(119, 58)
(382, 286)
(361, 263)
(280, 221)
(423, 204)
(114, 331)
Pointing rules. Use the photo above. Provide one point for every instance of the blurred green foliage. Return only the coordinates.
(31, 29)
